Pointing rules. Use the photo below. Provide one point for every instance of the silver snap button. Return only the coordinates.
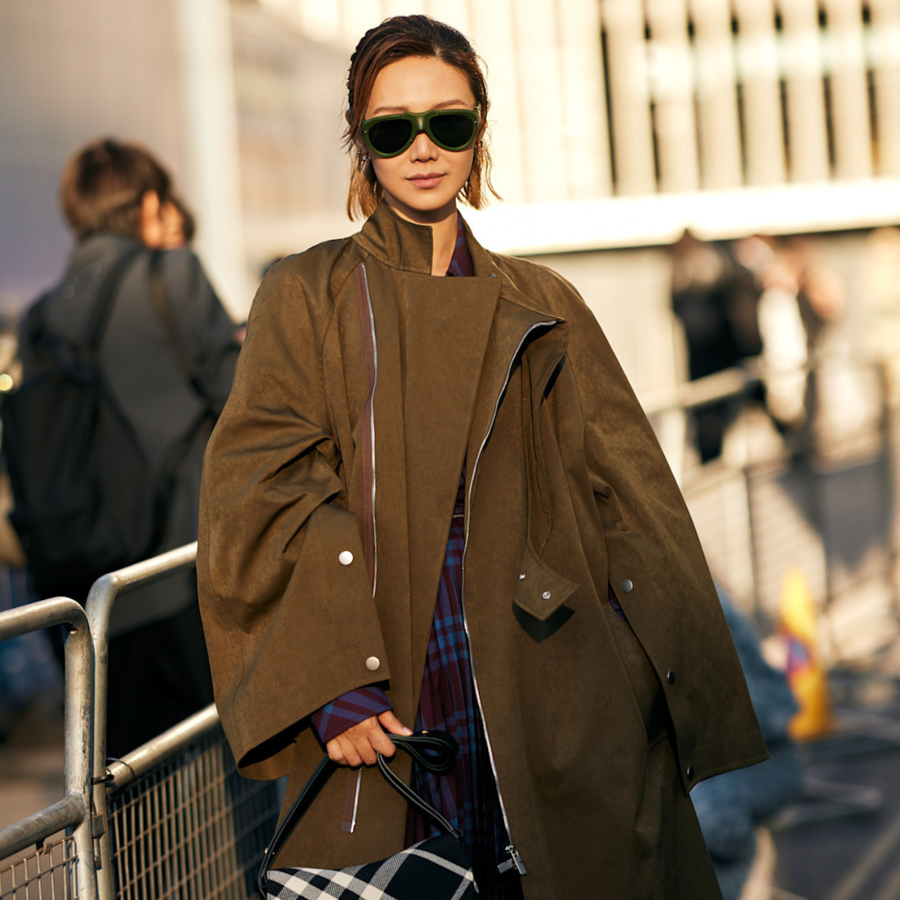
(627, 586)
(521, 576)
(345, 557)
(373, 663)
(546, 595)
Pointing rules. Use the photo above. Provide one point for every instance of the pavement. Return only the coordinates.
(842, 840)
(32, 760)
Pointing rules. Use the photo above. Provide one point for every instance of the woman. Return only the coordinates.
(395, 436)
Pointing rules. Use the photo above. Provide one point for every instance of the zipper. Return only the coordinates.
(514, 861)
(371, 405)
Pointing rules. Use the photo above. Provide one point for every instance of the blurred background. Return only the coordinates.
(721, 181)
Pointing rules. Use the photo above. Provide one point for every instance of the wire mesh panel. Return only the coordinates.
(44, 874)
(192, 827)
(717, 499)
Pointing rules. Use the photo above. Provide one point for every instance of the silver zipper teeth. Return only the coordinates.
(487, 738)
(372, 425)
(356, 800)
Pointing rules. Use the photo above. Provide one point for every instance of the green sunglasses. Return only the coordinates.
(449, 129)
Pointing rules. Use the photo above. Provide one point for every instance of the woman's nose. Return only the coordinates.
(423, 147)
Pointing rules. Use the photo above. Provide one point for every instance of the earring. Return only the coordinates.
(363, 158)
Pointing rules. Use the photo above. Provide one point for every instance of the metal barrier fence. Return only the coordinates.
(183, 823)
(62, 867)
(814, 511)
(172, 819)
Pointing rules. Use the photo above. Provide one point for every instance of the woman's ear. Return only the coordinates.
(151, 221)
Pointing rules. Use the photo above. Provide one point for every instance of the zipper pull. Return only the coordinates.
(514, 862)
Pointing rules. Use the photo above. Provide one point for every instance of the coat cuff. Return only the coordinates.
(349, 709)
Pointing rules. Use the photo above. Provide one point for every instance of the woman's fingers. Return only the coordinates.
(371, 740)
(393, 724)
(360, 744)
(342, 752)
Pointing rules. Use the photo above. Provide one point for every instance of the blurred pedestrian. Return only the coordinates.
(170, 375)
(30, 675)
(733, 806)
(435, 502)
(714, 297)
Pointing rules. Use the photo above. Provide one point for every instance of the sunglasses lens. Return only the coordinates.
(389, 136)
(452, 130)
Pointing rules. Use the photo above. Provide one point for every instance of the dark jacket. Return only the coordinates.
(151, 384)
(567, 489)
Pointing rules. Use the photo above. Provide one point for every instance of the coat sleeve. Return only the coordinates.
(284, 591)
(657, 567)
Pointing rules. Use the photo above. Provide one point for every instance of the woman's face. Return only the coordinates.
(421, 183)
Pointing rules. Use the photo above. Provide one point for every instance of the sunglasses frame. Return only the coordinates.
(422, 122)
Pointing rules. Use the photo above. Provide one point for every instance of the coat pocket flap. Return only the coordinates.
(540, 591)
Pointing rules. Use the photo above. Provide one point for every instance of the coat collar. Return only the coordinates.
(407, 246)
(404, 245)
(396, 242)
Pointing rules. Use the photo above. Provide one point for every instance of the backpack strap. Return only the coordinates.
(106, 299)
(164, 309)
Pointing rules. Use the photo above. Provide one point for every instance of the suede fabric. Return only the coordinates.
(597, 734)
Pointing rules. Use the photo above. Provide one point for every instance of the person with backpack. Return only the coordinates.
(127, 363)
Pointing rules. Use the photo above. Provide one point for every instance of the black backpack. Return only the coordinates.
(87, 500)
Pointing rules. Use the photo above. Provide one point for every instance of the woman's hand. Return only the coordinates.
(361, 743)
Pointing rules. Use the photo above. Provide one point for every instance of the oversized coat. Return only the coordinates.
(363, 387)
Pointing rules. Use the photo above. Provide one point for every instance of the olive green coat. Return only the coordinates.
(567, 489)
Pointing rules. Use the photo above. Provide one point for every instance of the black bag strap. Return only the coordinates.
(433, 750)
(106, 298)
(164, 309)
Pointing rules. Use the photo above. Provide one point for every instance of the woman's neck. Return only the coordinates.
(443, 224)
(443, 242)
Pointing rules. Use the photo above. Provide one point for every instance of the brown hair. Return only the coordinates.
(102, 186)
(395, 39)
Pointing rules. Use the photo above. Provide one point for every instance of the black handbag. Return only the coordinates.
(435, 868)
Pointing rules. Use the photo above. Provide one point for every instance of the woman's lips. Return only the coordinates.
(426, 181)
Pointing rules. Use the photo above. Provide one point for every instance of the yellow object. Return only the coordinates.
(805, 674)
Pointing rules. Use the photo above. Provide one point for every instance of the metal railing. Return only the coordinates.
(101, 599)
(182, 822)
(64, 867)
(171, 819)
(820, 501)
